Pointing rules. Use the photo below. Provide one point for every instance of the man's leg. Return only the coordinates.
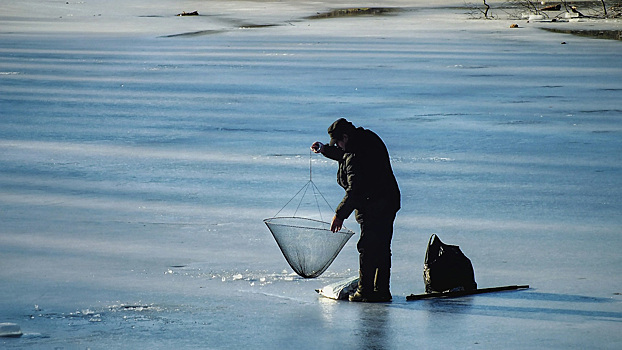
(383, 274)
(374, 248)
(367, 267)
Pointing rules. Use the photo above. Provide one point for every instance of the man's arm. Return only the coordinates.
(333, 152)
(355, 193)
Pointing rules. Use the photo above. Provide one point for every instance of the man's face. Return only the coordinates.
(342, 143)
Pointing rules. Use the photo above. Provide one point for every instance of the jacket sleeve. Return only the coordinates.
(354, 196)
(333, 152)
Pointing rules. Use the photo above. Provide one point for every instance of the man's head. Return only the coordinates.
(339, 131)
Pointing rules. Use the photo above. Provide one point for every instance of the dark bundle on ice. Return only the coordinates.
(446, 268)
(193, 13)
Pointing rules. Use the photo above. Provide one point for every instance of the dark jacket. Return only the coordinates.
(366, 175)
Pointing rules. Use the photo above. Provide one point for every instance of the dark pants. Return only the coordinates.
(374, 248)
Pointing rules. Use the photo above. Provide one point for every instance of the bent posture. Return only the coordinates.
(372, 192)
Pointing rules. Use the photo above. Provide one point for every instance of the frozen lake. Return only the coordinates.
(140, 152)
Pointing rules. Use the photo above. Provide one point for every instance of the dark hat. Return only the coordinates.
(337, 129)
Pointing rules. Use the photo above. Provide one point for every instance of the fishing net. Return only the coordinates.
(308, 244)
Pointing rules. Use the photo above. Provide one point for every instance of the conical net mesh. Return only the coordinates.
(308, 245)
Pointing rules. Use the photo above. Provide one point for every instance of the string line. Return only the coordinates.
(314, 189)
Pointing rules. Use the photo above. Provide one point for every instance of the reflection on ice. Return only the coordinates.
(539, 296)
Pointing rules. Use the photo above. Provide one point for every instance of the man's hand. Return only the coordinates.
(317, 147)
(336, 224)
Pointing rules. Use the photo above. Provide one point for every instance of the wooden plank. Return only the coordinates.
(464, 292)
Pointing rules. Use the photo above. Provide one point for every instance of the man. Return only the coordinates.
(372, 191)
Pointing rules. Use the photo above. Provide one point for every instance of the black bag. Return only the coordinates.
(446, 268)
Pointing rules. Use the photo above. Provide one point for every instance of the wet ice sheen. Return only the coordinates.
(136, 170)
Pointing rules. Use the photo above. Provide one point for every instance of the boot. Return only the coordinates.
(365, 290)
(359, 297)
(382, 292)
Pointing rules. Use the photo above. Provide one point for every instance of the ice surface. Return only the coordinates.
(10, 330)
(140, 151)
